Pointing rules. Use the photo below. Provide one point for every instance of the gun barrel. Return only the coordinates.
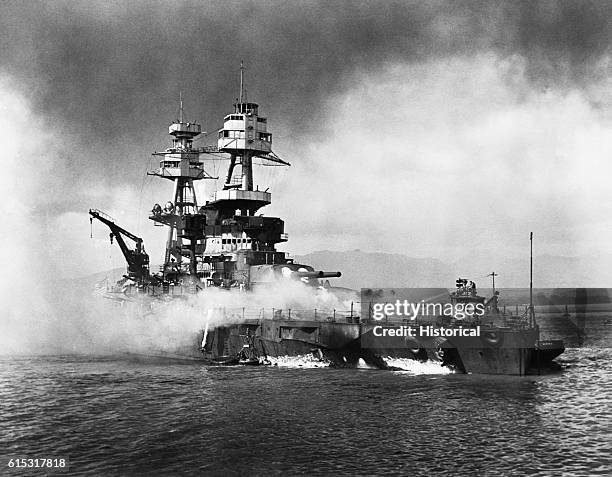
(319, 274)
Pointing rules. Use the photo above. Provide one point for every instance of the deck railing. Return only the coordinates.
(516, 316)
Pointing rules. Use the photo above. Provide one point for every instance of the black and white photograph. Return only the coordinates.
(306, 237)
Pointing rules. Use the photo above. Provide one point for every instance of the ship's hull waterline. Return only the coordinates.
(348, 344)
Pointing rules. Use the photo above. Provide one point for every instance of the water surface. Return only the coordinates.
(114, 416)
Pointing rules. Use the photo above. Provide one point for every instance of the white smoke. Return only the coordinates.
(441, 157)
(44, 313)
(25, 164)
(180, 323)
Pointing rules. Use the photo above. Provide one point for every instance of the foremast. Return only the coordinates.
(181, 164)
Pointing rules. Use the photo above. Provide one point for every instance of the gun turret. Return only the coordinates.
(265, 274)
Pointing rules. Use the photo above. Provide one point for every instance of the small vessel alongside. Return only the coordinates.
(496, 341)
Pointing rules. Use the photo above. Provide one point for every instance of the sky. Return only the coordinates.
(432, 129)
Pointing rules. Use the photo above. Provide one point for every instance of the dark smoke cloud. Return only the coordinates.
(109, 72)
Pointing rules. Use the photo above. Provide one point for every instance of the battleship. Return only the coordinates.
(227, 244)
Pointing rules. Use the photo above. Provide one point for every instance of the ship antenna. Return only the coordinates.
(241, 80)
(531, 276)
(493, 275)
(180, 106)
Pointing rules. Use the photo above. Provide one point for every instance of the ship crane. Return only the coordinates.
(137, 259)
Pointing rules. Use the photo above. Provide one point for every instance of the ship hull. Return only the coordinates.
(335, 342)
(496, 351)
(503, 351)
(344, 341)
(508, 361)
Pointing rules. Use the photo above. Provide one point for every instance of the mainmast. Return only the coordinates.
(180, 164)
(244, 136)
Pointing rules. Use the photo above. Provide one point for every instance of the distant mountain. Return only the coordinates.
(88, 283)
(375, 269)
(548, 270)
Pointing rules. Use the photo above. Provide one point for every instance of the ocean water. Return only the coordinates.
(117, 416)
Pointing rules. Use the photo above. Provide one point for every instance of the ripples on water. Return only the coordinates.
(117, 417)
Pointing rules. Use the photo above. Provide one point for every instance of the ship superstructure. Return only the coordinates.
(225, 242)
(240, 245)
